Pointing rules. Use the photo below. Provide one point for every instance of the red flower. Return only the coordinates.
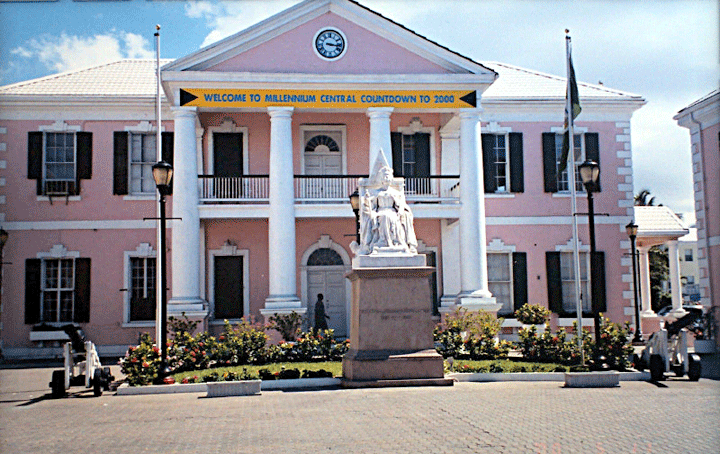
(156, 350)
(185, 381)
(134, 360)
(145, 364)
(222, 338)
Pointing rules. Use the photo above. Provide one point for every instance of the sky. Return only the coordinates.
(664, 50)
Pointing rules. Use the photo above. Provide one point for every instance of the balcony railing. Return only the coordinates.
(319, 188)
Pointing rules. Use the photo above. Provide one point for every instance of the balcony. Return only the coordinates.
(325, 189)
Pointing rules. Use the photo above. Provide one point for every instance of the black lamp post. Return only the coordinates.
(632, 230)
(355, 202)
(3, 240)
(163, 173)
(589, 172)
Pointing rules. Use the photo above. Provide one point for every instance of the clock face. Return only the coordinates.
(330, 43)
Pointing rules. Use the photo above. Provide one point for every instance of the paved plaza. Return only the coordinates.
(676, 416)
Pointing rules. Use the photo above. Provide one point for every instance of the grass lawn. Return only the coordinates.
(332, 366)
(335, 367)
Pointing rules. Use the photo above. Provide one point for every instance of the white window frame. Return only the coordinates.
(57, 253)
(144, 250)
(144, 127)
(416, 126)
(580, 188)
(59, 127)
(495, 129)
(307, 131)
(584, 252)
(229, 249)
(497, 246)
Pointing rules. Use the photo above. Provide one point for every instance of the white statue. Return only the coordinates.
(386, 222)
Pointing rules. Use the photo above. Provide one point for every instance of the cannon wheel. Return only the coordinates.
(106, 378)
(694, 368)
(657, 368)
(97, 383)
(57, 385)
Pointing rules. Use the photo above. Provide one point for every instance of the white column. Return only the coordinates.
(185, 239)
(450, 165)
(645, 295)
(380, 134)
(675, 284)
(474, 293)
(282, 296)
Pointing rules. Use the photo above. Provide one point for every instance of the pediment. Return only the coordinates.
(284, 44)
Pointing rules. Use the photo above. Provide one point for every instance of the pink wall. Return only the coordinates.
(366, 52)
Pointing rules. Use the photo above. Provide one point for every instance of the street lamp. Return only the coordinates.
(355, 203)
(632, 230)
(589, 173)
(3, 240)
(163, 173)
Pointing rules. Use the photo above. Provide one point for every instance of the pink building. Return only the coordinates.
(702, 118)
(268, 131)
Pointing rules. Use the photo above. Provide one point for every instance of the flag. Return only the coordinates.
(573, 103)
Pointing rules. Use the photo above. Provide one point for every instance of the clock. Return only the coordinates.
(330, 43)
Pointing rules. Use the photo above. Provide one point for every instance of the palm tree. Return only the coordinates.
(641, 199)
(658, 258)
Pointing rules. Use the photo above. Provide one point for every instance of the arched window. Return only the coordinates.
(324, 257)
(322, 143)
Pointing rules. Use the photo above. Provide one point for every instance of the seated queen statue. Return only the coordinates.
(386, 222)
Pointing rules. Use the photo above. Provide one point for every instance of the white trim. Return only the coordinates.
(72, 198)
(58, 251)
(59, 126)
(144, 250)
(228, 125)
(342, 129)
(120, 224)
(228, 249)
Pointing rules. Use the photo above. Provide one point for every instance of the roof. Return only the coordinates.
(136, 77)
(517, 82)
(653, 221)
(123, 78)
(714, 93)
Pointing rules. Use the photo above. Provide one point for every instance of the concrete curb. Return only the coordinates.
(329, 383)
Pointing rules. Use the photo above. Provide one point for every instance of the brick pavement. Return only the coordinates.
(676, 417)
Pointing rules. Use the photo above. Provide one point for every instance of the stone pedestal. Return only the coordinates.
(391, 334)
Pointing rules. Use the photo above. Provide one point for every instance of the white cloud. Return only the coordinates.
(69, 52)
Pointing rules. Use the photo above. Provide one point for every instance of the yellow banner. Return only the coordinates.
(328, 99)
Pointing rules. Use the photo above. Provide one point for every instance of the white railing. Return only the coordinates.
(320, 189)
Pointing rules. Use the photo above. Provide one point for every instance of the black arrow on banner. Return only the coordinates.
(186, 97)
(470, 98)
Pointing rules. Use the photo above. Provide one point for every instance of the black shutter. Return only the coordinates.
(520, 287)
(549, 162)
(82, 290)
(488, 143)
(32, 289)
(168, 151)
(228, 287)
(598, 282)
(35, 158)
(517, 174)
(396, 143)
(554, 282)
(120, 163)
(84, 159)
(592, 152)
(422, 154)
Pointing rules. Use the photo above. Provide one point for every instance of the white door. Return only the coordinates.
(330, 281)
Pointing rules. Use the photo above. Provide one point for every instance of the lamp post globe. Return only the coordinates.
(355, 203)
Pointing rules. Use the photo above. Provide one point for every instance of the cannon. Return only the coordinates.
(666, 351)
(82, 366)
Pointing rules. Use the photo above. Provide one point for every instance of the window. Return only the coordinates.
(143, 151)
(134, 154)
(561, 282)
(142, 288)
(586, 145)
(411, 160)
(58, 160)
(503, 162)
(500, 280)
(229, 289)
(57, 289)
(688, 255)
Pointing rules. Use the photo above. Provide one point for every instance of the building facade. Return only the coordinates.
(702, 118)
(268, 132)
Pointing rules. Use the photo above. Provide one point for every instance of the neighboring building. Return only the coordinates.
(702, 118)
(268, 131)
(689, 269)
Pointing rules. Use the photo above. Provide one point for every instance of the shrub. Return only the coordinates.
(288, 325)
(614, 345)
(532, 314)
(470, 335)
(141, 364)
(550, 347)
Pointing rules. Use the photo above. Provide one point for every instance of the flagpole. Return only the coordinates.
(573, 193)
(158, 153)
